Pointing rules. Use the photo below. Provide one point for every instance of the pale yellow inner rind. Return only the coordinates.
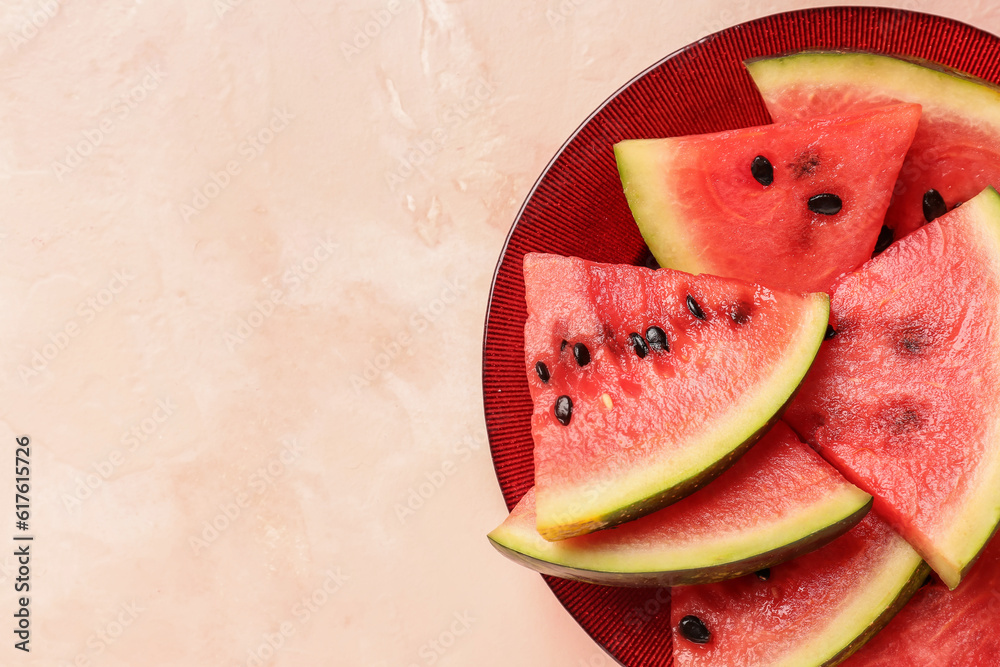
(964, 535)
(722, 435)
(679, 555)
(934, 90)
(855, 614)
(651, 202)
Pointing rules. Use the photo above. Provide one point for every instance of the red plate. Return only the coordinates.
(577, 208)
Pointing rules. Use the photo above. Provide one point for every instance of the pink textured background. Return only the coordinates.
(252, 243)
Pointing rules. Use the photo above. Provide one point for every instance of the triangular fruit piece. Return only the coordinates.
(903, 399)
(780, 500)
(647, 384)
(791, 206)
(956, 149)
(814, 610)
(939, 627)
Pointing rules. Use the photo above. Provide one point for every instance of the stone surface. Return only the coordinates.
(246, 249)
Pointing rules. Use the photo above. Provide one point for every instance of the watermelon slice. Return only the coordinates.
(903, 400)
(790, 206)
(814, 610)
(779, 500)
(956, 149)
(940, 627)
(648, 384)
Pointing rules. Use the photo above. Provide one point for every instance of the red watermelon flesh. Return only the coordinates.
(903, 400)
(939, 627)
(813, 610)
(956, 148)
(791, 206)
(781, 499)
(627, 420)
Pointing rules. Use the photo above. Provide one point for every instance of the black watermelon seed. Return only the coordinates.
(825, 204)
(582, 354)
(562, 345)
(885, 239)
(830, 332)
(695, 308)
(543, 371)
(639, 344)
(693, 630)
(762, 170)
(764, 574)
(657, 339)
(564, 410)
(934, 206)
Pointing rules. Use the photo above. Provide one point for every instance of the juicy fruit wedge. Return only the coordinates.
(814, 610)
(648, 384)
(778, 501)
(791, 206)
(939, 627)
(903, 400)
(956, 149)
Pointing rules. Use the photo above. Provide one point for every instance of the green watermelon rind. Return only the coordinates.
(860, 590)
(825, 523)
(902, 572)
(907, 591)
(960, 117)
(970, 540)
(944, 95)
(958, 537)
(721, 444)
(652, 207)
(931, 86)
(700, 477)
(690, 220)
